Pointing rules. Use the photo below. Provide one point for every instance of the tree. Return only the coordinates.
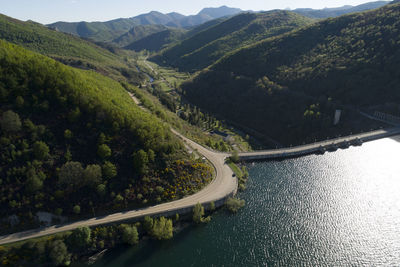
(102, 139)
(68, 155)
(235, 157)
(101, 190)
(148, 224)
(68, 134)
(109, 170)
(92, 175)
(40, 150)
(77, 209)
(198, 213)
(234, 204)
(70, 174)
(59, 254)
(33, 184)
(34, 181)
(80, 237)
(19, 101)
(130, 234)
(10, 122)
(104, 151)
(140, 161)
(162, 229)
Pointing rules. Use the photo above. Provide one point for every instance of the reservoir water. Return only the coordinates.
(337, 209)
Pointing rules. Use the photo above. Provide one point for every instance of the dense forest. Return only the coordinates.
(157, 41)
(347, 63)
(69, 49)
(137, 33)
(207, 46)
(73, 143)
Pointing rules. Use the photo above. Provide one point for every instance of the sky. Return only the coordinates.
(48, 11)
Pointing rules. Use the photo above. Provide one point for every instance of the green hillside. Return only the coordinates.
(164, 38)
(137, 33)
(69, 134)
(195, 30)
(157, 41)
(288, 87)
(97, 31)
(67, 49)
(204, 48)
(110, 30)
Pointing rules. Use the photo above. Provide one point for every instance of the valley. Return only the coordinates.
(117, 132)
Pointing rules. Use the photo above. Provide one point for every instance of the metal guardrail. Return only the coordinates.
(319, 147)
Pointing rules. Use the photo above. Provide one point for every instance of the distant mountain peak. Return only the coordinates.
(217, 12)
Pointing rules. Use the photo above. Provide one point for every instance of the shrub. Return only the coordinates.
(59, 254)
(130, 234)
(80, 237)
(198, 213)
(234, 204)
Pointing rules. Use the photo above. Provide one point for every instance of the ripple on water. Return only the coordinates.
(339, 209)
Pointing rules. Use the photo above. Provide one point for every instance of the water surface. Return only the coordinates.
(339, 209)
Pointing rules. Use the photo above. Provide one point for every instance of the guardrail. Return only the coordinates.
(319, 147)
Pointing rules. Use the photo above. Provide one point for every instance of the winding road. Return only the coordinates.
(222, 186)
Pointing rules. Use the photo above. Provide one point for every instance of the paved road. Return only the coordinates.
(316, 147)
(222, 186)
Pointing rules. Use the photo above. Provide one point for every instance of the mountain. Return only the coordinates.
(110, 30)
(220, 12)
(67, 48)
(98, 31)
(157, 41)
(288, 87)
(158, 18)
(72, 134)
(207, 46)
(339, 11)
(163, 39)
(208, 14)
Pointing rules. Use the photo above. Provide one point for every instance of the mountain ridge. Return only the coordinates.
(109, 30)
(338, 11)
(347, 63)
(205, 47)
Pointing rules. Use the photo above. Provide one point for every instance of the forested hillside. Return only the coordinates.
(157, 41)
(204, 48)
(137, 33)
(97, 31)
(110, 30)
(287, 87)
(73, 142)
(68, 49)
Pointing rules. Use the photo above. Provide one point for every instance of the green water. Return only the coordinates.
(339, 209)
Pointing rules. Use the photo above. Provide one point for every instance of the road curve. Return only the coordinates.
(223, 185)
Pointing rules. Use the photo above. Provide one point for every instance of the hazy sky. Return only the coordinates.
(47, 11)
